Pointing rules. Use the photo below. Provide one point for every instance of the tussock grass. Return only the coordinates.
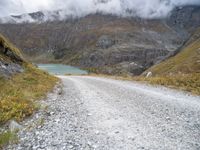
(186, 82)
(6, 138)
(18, 94)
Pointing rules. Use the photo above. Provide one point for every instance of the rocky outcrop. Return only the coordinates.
(14, 126)
(105, 42)
(134, 61)
(9, 68)
(10, 61)
(183, 19)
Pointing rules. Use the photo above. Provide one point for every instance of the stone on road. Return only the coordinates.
(107, 114)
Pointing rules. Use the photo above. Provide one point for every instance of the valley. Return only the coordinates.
(101, 80)
(105, 43)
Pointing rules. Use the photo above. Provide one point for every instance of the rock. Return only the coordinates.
(97, 132)
(149, 74)
(3, 67)
(14, 126)
(70, 146)
(168, 118)
(116, 132)
(60, 92)
(8, 69)
(105, 42)
(131, 138)
(135, 68)
(52, 113)
(89, 114)
(95, 146)
(89, 143)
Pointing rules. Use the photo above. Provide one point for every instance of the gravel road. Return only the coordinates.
(107, 114)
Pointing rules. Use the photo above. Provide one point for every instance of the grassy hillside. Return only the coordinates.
(20, 92)
(181, 71)
(187, 61)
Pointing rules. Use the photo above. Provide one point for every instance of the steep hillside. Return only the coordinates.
(11, 60)
(181, 71)
(187, 61)
(97, 41)
(105, 43)
(20, 83)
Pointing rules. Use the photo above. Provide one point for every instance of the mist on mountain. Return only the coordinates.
(147, 9)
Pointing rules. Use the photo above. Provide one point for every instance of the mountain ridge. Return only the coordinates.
(106, 43)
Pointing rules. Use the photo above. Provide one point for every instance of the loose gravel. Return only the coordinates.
(106, 114)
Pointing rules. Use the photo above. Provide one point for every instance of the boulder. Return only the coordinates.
(14, 126)
(149, 74)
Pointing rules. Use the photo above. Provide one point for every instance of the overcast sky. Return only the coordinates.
(142, 8)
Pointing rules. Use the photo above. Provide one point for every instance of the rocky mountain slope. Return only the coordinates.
(105, 43)
(187, 61)
(181, 71)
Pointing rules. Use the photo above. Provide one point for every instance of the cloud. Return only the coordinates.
(141, 8)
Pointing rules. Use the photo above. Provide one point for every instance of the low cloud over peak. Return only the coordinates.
(140, 8)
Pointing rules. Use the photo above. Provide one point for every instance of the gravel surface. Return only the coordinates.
(106, 114)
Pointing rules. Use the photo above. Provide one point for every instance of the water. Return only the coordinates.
(59, 69)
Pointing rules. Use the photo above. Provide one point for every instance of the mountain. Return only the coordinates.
(104, 43)
(185, 62)
(37, 17)
(181, 71)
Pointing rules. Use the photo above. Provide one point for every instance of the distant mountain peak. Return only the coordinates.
(38, 17)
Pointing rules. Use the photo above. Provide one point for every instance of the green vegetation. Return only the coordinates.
(7, 137)
(19, 93)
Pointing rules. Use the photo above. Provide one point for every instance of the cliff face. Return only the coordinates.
(106, 42)
(10, 59)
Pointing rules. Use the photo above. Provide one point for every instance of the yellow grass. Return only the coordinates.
(18, 94)
(187, 61)
(185, 82)
(7, 44)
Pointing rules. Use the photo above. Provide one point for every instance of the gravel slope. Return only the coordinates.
(100, 113)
